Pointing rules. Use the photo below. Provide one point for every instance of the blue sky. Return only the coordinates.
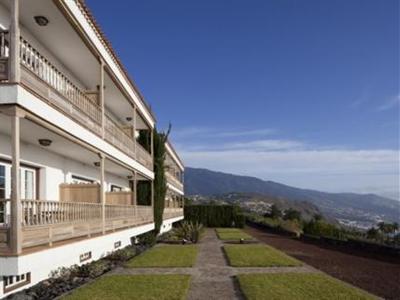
(300, 92)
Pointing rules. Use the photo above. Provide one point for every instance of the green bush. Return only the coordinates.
(292, 226)
(322, 228)
(90, 270)
(148, 239)
(122, 254)
(93, 269)
(215, 215)
(188, 231)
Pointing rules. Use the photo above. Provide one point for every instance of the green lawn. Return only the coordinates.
(299, 286)
(258, 256)
(166, 257)
(135, 287)
(228, 234)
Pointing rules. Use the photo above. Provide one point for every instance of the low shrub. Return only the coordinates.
(293, 226)
(147, 239)
(322, 228)
(122, 255)
(64, 279)
(288, 226)
(188, 231)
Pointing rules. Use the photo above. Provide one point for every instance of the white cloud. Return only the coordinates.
(293, 162)
(389, 104)
(209, 132)
(329, 170)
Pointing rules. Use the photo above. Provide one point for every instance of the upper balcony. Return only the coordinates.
(60, 65)
(174, 168)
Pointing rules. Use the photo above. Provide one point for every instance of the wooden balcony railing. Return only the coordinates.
(41, 76)
(173, 180)
(37, 212)
(144, 157)
(118, 137)
(45, 222)
(170, 213)
(64, 94)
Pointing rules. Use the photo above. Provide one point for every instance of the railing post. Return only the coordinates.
(152, 146)
(16, 206)
(135, 193)
(134, 130)
(102, 192)
(152, 196)
(101, 96)
(14, 43)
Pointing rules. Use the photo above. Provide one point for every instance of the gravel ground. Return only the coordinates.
(378, 277)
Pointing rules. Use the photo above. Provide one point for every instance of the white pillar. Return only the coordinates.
(134, 130)
(14, 42)
(103, 191)
(16, 207)
(101, 96)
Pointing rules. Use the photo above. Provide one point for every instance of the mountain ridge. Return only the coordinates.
(348, 206)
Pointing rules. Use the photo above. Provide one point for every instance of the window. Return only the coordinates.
(81, 180)
(28, 183)
(2, 192)
(14, 282)
(2, 182)
(116, 188)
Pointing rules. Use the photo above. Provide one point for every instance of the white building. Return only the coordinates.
(76, 168)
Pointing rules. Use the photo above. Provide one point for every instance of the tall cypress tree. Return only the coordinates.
(160, 184)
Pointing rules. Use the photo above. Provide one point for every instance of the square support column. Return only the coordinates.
(103, 191)
(134, 129)
(16, 207)
(101, 98)
(134, 189)
(15, 70)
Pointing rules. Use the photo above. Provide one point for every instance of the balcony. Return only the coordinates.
(43, 78)
(170, 213)
(47, 222)
(173, 180)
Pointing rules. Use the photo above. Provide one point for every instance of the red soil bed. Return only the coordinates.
(378, 277)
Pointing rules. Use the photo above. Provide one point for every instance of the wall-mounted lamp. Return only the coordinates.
(129, 119)
(96, 164)
(45, 142)
(129, 177)
(41, 20)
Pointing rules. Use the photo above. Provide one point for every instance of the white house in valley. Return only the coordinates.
(76, 161)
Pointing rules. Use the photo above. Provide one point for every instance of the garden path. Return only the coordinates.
(212, 278)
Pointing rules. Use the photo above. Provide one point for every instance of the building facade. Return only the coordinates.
(76, 137)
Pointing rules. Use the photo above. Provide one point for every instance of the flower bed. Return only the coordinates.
(64, 280)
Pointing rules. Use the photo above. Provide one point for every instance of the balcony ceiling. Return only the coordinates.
(60, 39)
(31, 133)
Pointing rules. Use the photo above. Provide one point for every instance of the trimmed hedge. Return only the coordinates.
(215, 215)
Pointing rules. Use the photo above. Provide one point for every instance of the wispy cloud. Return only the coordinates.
(331, 170)
(390, 103)
(262, 153)
(209, 132)
(254, 145)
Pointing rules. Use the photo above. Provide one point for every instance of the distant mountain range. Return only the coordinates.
(348, 208)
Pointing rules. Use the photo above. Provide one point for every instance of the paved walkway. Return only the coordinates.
(212, 278)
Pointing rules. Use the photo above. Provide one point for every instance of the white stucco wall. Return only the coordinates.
(56, 169)
(41, 263)
(167, 224)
